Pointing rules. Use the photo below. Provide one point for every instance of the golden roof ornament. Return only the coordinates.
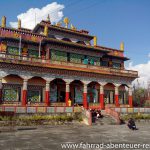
(58, 24)
(48, 18)
(66, 21)
(122, 46)
(95, 40)
(19, 24)
(3, 22)
(73, 27)
(46, 30)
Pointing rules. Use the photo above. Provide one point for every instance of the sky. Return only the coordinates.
(112, 21)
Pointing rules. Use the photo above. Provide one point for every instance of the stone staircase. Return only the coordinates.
(106, 120)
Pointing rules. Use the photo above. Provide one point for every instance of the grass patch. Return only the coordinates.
(136, 116)
(39, 119)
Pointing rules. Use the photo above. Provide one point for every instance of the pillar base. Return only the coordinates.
(24, 97)
(47, 96)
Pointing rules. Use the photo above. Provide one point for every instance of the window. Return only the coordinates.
(76, 58)
(34, 96)
(13, 50)
(109, 96)
(116, 65)
(33, 53)
(10, 94)
(58, 55)
(104, 63)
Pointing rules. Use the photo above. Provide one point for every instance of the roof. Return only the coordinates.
(28, 32)
(63, 29)
(50, 39)
(120, 57)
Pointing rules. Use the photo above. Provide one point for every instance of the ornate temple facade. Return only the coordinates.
(53, 65)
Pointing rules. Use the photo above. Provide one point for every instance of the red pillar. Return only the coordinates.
(24, 93)
(67, 98)
(85, 103)
(130, 101)
(117, 100)
(117, 95)
(47, 93)
(67, 93)
(47, 98)
(101, 101)
(85, 100)
(24, 97)
(101, 96)
(130, 98)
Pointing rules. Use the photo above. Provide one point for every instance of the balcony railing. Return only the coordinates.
(65, 65)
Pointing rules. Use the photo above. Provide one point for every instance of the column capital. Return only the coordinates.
(47, 88)
(102, 83)
(116, 90)
(25, 82)
(67, 87)
(130, 91)
(116, 84)
(24, 77)
(85, 88)
(68, 81)
(85, 82)
(101, 89)
(48, 79)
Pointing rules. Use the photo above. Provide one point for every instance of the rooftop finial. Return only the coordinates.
(122, 46)
(19, 23)
(66, 21)
(73, 27)
(95, 41)
(3, 22)
(48, 18)
(58, 24)
(46, 30)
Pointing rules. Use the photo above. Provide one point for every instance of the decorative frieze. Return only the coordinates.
(102, 79)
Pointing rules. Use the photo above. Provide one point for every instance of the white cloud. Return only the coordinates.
(143, 71)
(54, 9)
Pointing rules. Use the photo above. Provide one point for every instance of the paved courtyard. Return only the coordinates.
(51, 137)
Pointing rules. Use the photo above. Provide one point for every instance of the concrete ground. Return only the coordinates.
(51, 137)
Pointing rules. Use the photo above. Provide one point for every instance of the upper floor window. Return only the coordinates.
(91, 60)
(116, 65)
(13, 50)
(33, 53)
(58, 55)
(104, 63)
